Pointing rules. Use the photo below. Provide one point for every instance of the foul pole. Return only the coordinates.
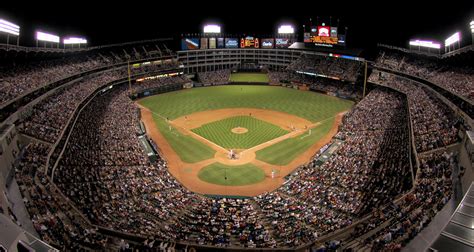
(129, 80)
(365, 78)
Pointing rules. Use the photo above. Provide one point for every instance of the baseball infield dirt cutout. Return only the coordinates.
(239, 130)
(187, 173)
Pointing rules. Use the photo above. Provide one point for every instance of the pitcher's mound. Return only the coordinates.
(239, 130)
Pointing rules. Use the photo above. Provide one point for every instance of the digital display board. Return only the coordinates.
(220, 42)
(307, 37)
(189, 43)
(204, 43)
(324, 31)
(231, 43)
(212, 43)
(282, 42)
(333, 32)
(249, 42)
(324, 40)
(267, 43)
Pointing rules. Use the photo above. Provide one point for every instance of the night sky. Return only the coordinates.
(121, 22)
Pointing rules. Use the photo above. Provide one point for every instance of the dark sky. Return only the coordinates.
(134, 20)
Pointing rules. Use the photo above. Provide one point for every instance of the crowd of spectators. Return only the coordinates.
(328, 86)
(394, 226)
(52, 217)
(434, 124)
(105, 173)
(220, 77)
(49, 117)
(277, 78)
(343, 69)
(19, 79)
(159, 82)
(457, 79)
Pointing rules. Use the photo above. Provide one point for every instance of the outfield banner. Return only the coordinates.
(204, 43)
(268, 43)
(212, 43)
(231, 43)
(282, 42)
(189, 43)
(220, 42)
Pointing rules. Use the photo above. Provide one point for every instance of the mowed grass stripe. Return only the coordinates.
(284, 152)
(249, 77)
(309, 105)
(188, 149)
(220, 132)
(221, 174)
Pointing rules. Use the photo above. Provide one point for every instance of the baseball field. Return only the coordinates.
(239, 139)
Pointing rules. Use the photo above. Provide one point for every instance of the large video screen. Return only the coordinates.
(189, 43)
(212, 43)
(324, 31)
(231, 43)
(249, 42)
(220, 42)
(324, 40)
(267, 43)
(204, 43)
(283, 42)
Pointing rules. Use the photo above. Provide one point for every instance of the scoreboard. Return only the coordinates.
(324, 36)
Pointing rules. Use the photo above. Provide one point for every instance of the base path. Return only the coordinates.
(187, 173)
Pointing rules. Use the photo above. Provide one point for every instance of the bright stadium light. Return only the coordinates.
(452, 39)
(42, 36)
(73, 40)
(212, 28)
(9, 28)
(472, 26)
(286, 29)
(424, 43)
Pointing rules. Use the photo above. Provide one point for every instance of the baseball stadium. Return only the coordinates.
(293, 139)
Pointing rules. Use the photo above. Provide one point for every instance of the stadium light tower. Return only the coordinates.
(74, 41)
(456, 37)
(212, 28)
(46, 37)
(286, 29)
(472, 31)
(10, 29)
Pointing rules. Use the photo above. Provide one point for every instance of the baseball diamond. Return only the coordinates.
(282, 126)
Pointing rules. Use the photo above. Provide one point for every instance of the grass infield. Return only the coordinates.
(220, 132)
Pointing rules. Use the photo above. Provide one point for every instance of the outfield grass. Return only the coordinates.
(309, 105)
(249, 77)
(220, 132)
(189, 149)
(284, 152)
(221, 174)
